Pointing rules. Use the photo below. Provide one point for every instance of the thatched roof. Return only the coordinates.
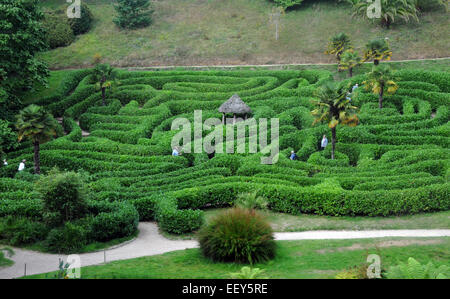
(235, 105)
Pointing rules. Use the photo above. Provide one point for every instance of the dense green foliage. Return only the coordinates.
(84, 23)
(21, 37)
(394, 162)
(132, 14)
(238, 235)
(415, 270)
(58, 31)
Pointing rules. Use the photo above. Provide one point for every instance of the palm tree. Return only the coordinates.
(338, 44)
(334, 108)
(390, 10)
(34, 123)
(377, 50)
(381, 81)
(349, 60)
(105, 76)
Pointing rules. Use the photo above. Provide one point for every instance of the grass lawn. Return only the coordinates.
(282, 222)
(200, 32)
(295, 259)
(4, 262)
(285, 222)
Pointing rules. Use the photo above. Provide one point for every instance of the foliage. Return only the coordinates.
(377, 50)
(429, 5)
(62, 272)
(390, 10)
(381, 81)
(69, 238)
(19, 231)
(21, 37)
(248, 273)
(133, 14)
(8, 139)
(349, 60)
(287, 3)
(84, 23)
(238, 235)
(104, 75)
(64, 196)
(333, 108)
(58, 31)
(338, 44)
(415, 270)
(251, 201)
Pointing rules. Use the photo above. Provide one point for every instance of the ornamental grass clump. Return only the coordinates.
(238, 235)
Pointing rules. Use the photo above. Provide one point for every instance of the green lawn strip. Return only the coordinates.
(295, 259)
(181, 34)
(282, 222)
(5, 262)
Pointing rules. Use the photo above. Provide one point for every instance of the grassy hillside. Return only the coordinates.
(205, 32)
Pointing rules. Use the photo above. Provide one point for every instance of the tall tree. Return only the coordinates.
(21, 37)
(333, 108)
(381, 81)
(105, 76)
(377, 50)
(390, 10)
(37, 125)
(132, 14)
(349, 60)
(338, 44)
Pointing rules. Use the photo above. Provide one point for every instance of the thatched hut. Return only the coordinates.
(236, 106)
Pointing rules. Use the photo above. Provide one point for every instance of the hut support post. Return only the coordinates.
(223, 118)
(234, 118)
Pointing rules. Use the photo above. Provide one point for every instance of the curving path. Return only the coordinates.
(151, 242)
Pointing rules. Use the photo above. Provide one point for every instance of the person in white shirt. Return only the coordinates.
(5, 163)
(355, 87)
(324, 142)
(22, 165)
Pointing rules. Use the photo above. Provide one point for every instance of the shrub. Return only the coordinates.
(248, 273)
(133, 13)
(251, 201)
(287, 3)
(83, 24)
(64, 196)
(238, 235)
(21, 231)
(67, 239)
(117, 220)
(59, 32)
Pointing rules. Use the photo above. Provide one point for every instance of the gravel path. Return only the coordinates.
(151, 242)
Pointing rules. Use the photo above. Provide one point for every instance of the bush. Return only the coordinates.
(287, 3)
(59, 32)
(238, 235)
(251, 201)
(64, 196)
(67, 239)
(115, 220)
(83, 24)
(21, 231)
(133, 13)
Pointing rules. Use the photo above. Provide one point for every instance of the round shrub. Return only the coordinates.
(121, 220)
(66, 239)
(238, 235)
(84, 23)
(59, 32)
(18, 231)
(64, 196)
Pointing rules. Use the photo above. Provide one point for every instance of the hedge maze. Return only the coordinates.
(396, 161)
